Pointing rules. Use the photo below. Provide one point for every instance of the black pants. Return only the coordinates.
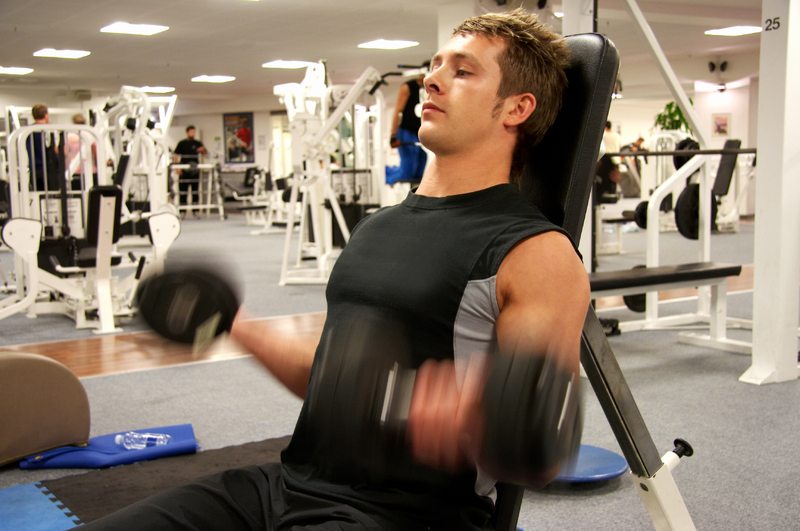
(258, 497)
(189, 180)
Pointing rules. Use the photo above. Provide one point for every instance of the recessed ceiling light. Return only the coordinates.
(133, 29)
(157, 90)
(558, 14)
(280, 63)
(15, 70)
(212, 79)
(61, 54)
(385, 44)
(734, 31)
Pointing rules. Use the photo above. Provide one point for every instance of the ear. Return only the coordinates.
(519, 108)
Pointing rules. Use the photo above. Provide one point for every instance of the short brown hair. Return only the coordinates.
(39, 111)
(534, 61)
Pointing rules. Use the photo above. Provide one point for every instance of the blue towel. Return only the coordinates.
(102, 451)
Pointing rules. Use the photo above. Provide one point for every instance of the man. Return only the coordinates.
(189, 150)
(404, 137)
(42, 156)
(468, 268)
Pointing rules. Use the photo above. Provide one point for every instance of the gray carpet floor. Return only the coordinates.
(743, 475)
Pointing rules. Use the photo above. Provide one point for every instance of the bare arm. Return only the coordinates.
(543, 294)
(287, 357)
(402, 97)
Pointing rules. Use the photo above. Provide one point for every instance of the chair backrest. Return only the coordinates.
(727, 164)
(93, 213)
(560, 170)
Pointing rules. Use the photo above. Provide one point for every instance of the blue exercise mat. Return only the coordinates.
(593, 465)
(33, 508)
(102, 451)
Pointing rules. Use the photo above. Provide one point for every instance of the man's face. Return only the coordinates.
(190, 133)
(461, 94)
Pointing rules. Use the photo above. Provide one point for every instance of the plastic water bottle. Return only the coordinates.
(133, 440)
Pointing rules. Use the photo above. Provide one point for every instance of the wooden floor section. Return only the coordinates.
(143, 350)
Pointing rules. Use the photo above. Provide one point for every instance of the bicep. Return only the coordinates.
(543, 294)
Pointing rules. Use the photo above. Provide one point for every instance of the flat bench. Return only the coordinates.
(630, 281)
(692, 275)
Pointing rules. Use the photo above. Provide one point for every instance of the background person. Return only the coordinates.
(42, 154)
(405, 128)
(188, 151)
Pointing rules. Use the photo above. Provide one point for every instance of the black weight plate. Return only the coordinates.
(175, 303)
(636, 302)
(687, 212)
(640, 215)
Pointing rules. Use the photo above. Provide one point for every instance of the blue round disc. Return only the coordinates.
(593, 465)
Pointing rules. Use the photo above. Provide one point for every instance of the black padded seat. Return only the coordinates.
(668, 274)
(87, 258)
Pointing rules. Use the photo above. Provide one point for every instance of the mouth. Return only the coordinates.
(428, 106)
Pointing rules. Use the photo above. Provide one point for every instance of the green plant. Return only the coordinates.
(672, 118)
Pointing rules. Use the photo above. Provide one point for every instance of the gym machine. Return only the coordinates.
(313, 127)
(134, 126)
(64, 227)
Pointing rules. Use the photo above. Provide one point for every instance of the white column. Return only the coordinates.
(777, 249)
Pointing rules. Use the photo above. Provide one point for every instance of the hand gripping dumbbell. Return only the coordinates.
(359, 399)
(189, 304)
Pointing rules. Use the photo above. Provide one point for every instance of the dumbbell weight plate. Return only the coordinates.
(188, 305)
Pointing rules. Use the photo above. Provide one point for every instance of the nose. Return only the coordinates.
(431, 82)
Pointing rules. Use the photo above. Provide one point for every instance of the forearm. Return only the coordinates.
(287, 357)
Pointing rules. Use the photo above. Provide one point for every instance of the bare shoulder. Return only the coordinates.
(543, 296)
(543, 264)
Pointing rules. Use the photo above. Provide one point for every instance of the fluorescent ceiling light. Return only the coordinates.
(384, 44)
(280, 63)
(61, 54)
(157, 90)
(15, 70)
(133, 29)
(734, 31)
(212, 79)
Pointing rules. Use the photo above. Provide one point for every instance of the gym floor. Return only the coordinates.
(745, 437)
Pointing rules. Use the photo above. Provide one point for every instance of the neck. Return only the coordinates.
(461, 173)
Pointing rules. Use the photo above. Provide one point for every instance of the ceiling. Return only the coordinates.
(235, 37)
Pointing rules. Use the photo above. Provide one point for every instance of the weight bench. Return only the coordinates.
(692, 275)
(558, 179)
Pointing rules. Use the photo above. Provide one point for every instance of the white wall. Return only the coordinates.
(737, 104)
(632, 118)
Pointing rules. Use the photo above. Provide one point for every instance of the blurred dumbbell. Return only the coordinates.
(188, 305)
(360, 394)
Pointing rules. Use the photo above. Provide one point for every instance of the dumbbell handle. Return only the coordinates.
(397, 399)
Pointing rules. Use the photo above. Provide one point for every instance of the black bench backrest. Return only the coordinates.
(727, 163)
(93, 214)
(560, 169)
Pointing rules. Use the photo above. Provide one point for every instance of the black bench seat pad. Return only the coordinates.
(650, 276)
